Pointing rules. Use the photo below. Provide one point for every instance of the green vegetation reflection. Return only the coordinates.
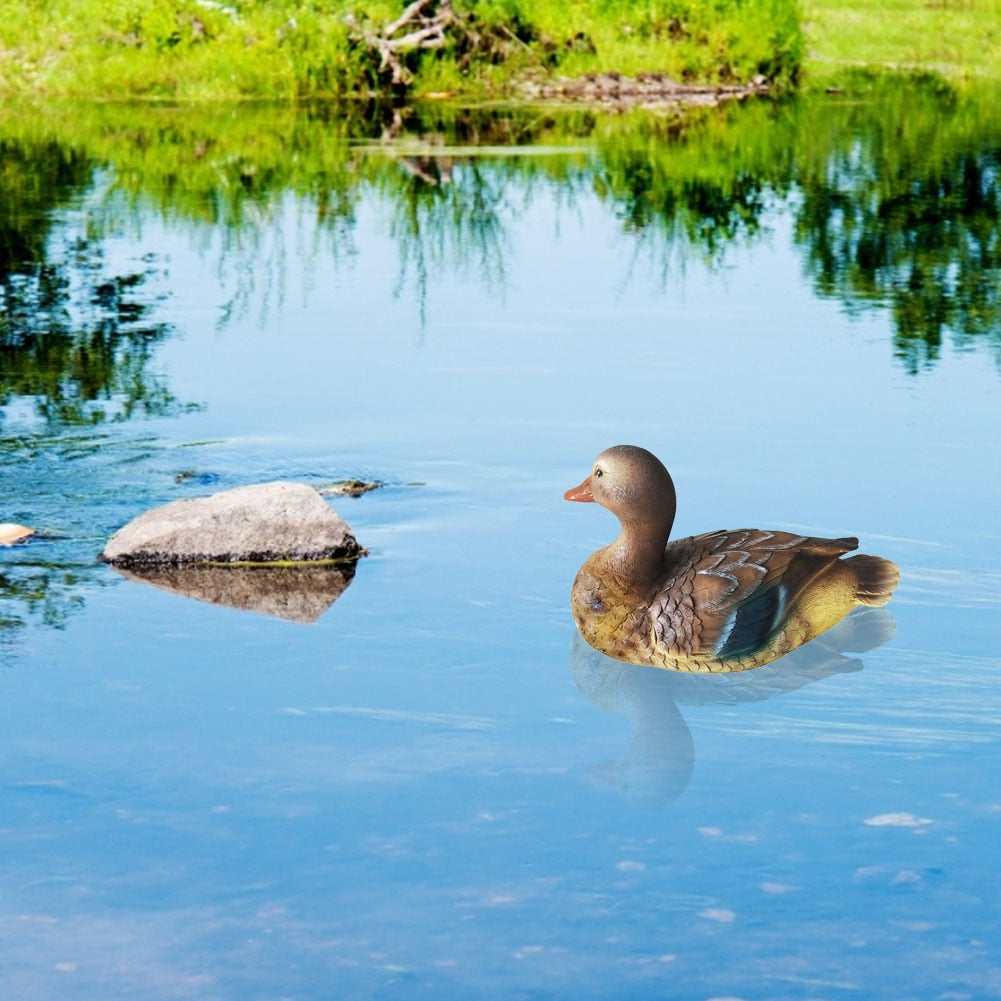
(75, 339)
(77, 346)
(894, 188)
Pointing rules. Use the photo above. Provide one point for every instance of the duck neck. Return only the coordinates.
(638, 553)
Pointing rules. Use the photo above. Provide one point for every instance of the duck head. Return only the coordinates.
(633, 484)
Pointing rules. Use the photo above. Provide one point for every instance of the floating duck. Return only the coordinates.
(721, 601)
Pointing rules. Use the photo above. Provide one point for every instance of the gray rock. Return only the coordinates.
(265, 523)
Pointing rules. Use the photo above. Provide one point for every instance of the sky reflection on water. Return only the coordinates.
(413, 797)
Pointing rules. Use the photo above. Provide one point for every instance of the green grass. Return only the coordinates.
(954, 38)
(291, 50)
(183, 50)
(299, 50)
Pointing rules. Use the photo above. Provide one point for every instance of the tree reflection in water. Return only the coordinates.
(74, 339)
(904, 212)
(893, 187)
(76, 345)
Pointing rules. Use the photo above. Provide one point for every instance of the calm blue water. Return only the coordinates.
(433, 791)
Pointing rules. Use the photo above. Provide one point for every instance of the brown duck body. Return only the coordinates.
(721, 601)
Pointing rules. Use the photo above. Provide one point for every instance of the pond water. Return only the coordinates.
(435, 790)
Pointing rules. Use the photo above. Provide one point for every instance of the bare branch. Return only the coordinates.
(406, 17)
(425, 30)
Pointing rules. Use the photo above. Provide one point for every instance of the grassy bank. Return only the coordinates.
(955, 39)
(290, 50)
(299, 50)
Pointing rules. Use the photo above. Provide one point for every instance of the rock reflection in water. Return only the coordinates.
(295, 593)
(657, 766)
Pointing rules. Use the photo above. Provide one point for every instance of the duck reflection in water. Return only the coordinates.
(716, 602)
(657, 766)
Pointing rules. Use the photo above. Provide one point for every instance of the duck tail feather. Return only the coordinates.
(875, 579)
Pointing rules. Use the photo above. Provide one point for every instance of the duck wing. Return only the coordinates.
(727, 593)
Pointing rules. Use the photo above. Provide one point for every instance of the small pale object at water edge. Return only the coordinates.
(11, 533)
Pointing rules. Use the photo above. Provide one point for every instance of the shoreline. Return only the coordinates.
(652, 91)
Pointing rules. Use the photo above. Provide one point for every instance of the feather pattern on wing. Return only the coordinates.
(727, 591)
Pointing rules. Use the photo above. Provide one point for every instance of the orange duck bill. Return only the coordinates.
(580, 493)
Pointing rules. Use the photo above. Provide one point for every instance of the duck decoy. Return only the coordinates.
(720, 601)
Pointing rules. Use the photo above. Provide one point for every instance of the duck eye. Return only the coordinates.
(598, 473)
